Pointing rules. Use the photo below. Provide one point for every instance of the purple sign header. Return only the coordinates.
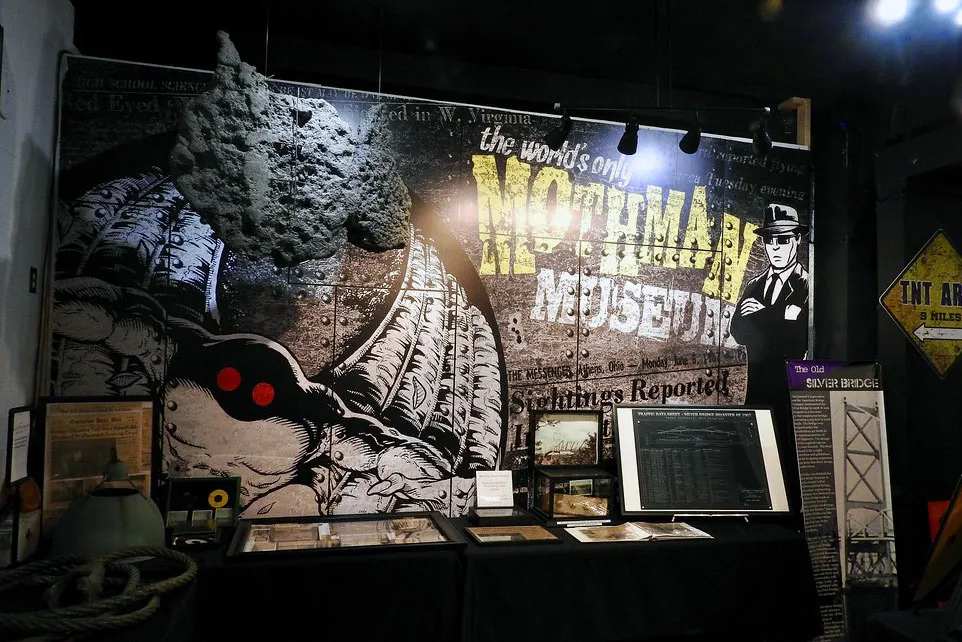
(838, 375)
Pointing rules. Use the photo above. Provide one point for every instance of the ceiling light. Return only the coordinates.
(761, 142)
(691, 140)
(761, 139)
(889, 12)
(946, 6)
(557, 136)
(628, 144)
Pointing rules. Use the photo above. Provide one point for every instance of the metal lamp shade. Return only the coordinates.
(107, 520)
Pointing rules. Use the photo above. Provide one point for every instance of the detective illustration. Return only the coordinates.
(771, 319)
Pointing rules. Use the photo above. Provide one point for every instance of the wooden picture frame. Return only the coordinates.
(81, 434)
(564, 437)
(511, 535)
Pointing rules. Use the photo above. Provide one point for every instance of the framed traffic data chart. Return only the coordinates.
(698, 459)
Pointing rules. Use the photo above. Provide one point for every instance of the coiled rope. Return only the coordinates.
(135, 602)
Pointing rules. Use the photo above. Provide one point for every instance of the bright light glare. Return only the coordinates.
(647, 161)
(958, 18)
(888, 12)
(946, 6)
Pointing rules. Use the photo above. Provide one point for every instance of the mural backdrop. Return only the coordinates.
(402, 281)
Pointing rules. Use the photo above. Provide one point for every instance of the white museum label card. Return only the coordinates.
(495, 488)
(19, 447)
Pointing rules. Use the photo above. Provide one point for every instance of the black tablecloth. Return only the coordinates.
(750, 582)
(173, 622)
(926, 625)
(370, 595)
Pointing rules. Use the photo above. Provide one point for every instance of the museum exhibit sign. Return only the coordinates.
(353, 301)
(838, 411)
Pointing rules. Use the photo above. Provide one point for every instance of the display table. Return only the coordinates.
(394, 595)
(751, 582)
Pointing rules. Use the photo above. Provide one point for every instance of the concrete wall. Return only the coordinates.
(35, 32)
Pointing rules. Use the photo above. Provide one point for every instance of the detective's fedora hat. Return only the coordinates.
(781, 219)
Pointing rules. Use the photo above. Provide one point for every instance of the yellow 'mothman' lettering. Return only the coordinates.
(548, 228)
(662, 223)
(588, 199)
(735, 251)
(697, 233)
(497, 213)
(516, 221)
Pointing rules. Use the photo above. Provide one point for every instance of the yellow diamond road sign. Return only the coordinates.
(926, 302)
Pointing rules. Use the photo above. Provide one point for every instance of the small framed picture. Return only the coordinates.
(195, 501)
(565, 437)
(200, 517)
(581, 487)
(486, 535)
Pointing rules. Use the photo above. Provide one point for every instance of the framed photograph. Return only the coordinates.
(304, 535)
(195, 501)
(82, 435)
(565, 437)
(626, 532)
(698, 459)
(493, 535)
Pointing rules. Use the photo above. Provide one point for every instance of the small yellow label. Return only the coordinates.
(217, 498)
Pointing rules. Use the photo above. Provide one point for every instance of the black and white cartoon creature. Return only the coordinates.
(153, 290)
(771, 319)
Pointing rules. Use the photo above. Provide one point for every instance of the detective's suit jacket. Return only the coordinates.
(770, 337)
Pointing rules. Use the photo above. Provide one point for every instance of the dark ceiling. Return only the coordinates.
(528, 52)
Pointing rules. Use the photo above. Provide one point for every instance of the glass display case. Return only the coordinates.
(257, 537)
(565, 495)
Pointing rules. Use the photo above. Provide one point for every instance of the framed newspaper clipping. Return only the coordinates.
(82, 435)
(698, 459)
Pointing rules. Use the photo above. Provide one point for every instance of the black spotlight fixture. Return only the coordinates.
(761, 139)
(692, 139)
(557, 136)
(628, 144)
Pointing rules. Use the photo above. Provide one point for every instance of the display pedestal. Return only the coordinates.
(573, 495)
